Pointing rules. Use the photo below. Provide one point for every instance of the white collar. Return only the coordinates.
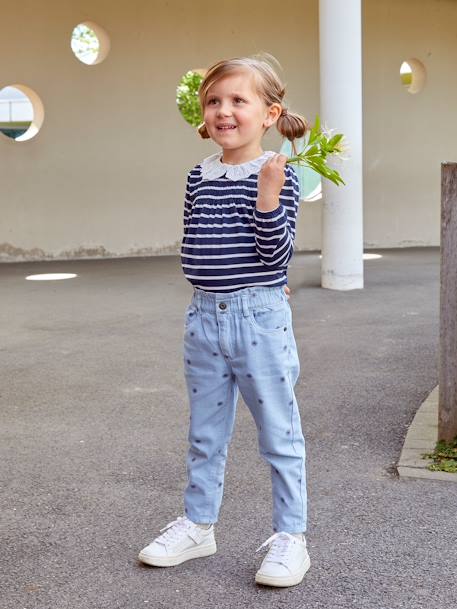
(213, 167)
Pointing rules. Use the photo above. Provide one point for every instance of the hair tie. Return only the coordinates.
(284, 112)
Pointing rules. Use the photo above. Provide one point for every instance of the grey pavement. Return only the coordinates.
(93, 441)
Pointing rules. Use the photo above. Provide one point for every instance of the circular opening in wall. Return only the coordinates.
(21, 112)
(187, 96)
(413, 75)
(90, 43)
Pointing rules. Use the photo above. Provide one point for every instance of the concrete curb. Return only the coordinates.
(421, 438)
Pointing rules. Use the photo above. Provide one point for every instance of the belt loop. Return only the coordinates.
(196, 299)
(244, 300)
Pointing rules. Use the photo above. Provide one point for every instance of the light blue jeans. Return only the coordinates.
(243, 340)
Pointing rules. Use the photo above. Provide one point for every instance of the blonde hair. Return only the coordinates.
(267, 84)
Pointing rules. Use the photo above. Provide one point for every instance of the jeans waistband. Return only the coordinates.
(238, 301)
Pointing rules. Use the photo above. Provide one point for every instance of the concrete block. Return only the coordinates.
(412, 472)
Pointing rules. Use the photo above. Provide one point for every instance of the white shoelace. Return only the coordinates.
(174, 531)
(280, 545)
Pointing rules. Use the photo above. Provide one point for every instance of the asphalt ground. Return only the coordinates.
(94, 419)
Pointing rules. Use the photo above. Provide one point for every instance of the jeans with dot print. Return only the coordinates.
(243, 341)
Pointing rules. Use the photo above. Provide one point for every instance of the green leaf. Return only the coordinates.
(335, 139)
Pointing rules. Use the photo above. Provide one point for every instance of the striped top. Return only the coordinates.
(228, 244)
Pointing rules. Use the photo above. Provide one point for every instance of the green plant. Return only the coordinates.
(406, 78)
(320, 145)
(444, 456)
(187, 98)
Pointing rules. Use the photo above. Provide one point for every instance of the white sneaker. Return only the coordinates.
(182, 540)
(286, 562)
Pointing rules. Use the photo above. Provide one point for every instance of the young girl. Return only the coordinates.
(239, 229)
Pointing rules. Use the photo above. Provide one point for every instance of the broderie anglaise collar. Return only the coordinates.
(213, 167)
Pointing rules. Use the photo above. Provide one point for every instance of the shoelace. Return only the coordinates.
(280, 545)
(174, 530)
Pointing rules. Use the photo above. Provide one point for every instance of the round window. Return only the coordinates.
(413, 75)
(21, 112)
(90, 43)
(187, 96)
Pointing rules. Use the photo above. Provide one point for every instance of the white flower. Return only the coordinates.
(325, 130)
(341, 149)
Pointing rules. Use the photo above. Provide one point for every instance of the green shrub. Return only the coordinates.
(444, 456)
(187, 98)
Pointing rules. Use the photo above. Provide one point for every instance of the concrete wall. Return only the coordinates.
(406, 137)
(105, 176)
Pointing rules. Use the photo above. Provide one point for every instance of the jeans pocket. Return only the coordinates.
(190, 315)
(269, 318)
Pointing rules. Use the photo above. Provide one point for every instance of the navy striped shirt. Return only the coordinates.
(228, 244)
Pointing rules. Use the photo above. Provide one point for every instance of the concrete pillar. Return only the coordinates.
(340, 44)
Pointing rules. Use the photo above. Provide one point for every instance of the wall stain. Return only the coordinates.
(11, 253)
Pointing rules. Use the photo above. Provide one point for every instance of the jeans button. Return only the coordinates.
(222, 305)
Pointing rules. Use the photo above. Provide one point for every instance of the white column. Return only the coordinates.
(340, 44)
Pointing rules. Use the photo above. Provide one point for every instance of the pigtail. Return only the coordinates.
(292, 126)
(202, 131)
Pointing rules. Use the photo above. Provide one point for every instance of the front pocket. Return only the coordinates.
(270, 318)
(190, 315)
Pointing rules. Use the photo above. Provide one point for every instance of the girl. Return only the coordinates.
(239, 229)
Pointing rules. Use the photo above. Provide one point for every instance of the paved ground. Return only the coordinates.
(94, 436)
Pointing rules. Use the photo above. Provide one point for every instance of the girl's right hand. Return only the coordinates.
(270, 182)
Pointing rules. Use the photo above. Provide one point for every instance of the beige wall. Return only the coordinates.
(106, 174)
(406, 137)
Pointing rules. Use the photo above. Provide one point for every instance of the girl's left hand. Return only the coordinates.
(271, 180)
(287, 291)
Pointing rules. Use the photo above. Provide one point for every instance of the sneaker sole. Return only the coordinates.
(171, 561)
(291, 580)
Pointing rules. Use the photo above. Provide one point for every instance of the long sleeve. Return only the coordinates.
(187, 203)
(275, 230)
